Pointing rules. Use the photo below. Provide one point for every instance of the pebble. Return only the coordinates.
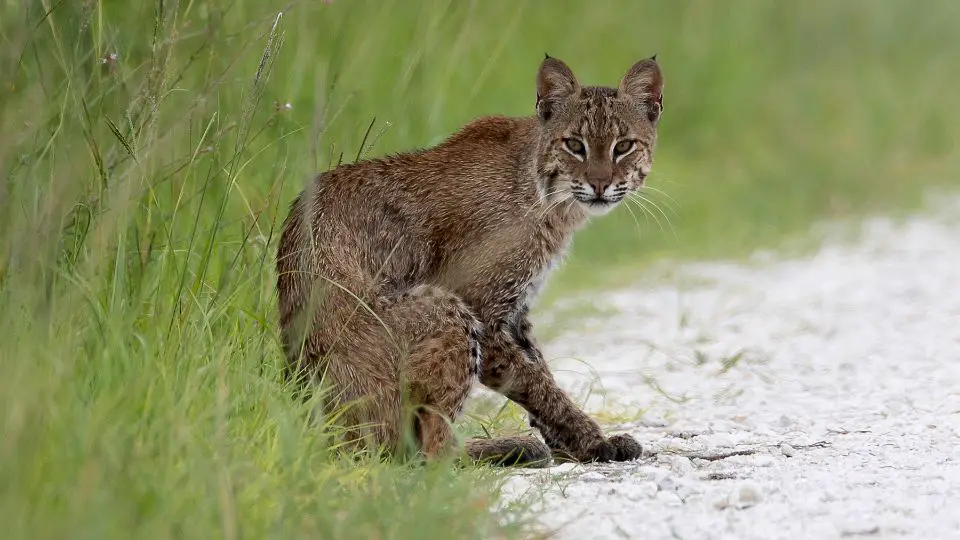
(764, 460)
(563, 468)
(745, 495)
(861, 531)
(641, 491)
(654, 420)
(648, 472)
(722, 440)
(666, 481)
(788, 450)
(593, 476)
(858, 525)
(678, 464)
(669, 498)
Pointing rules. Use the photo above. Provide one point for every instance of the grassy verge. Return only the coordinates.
(149, 151)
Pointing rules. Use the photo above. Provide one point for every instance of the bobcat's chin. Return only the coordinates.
(598, 207)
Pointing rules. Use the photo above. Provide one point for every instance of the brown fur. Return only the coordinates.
(411, 275)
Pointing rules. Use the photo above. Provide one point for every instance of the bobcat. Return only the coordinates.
(410, 276)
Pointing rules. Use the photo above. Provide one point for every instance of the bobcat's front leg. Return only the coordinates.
(514, 366)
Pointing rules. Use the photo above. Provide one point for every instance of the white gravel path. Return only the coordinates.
(838, 375)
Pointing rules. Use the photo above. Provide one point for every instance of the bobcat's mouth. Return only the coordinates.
(597, 205)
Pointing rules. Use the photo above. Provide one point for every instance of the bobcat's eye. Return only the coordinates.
(623, 147)
(575, 146)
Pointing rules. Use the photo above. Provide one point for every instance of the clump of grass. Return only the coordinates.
(142, 391)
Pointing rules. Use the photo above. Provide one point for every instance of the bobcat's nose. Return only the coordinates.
(600, 186)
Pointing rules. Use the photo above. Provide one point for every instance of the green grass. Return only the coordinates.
(141, 196)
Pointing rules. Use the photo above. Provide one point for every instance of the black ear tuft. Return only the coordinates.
(654, 57)
(546, 56)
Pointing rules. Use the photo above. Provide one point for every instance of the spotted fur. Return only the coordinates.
(408, 276)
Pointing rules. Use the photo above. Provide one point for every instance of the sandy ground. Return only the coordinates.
(811, 398)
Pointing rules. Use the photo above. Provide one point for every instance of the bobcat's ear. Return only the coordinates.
(555, 82)
(644, 83)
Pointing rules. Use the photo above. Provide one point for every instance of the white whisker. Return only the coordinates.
(640, 197)
(555, 204)
(635, 220)
(657, 208)
(643, 204)
(544, 200)
(671, 203)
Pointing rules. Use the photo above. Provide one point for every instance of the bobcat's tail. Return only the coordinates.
(507, 451)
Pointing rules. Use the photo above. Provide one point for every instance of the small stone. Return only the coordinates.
(788, 450)
(641, 491)
(764, 460)
(647, 472)
(689, 491)
(670, 498)
(722, 439)
(653, 420)
(563, 468)
(745, 495)
(593, 476)
(679, 464)
(861, 532)
(720, 475)
(858, 525)
(700, 462)
(667, 482)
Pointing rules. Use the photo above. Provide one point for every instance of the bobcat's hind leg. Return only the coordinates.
(441, 364)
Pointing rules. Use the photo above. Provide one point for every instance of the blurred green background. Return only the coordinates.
(149, 150)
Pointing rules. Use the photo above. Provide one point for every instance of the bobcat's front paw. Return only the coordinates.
(621, 447)
(627, 447)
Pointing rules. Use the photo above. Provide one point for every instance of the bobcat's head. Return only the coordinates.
(596, 142)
